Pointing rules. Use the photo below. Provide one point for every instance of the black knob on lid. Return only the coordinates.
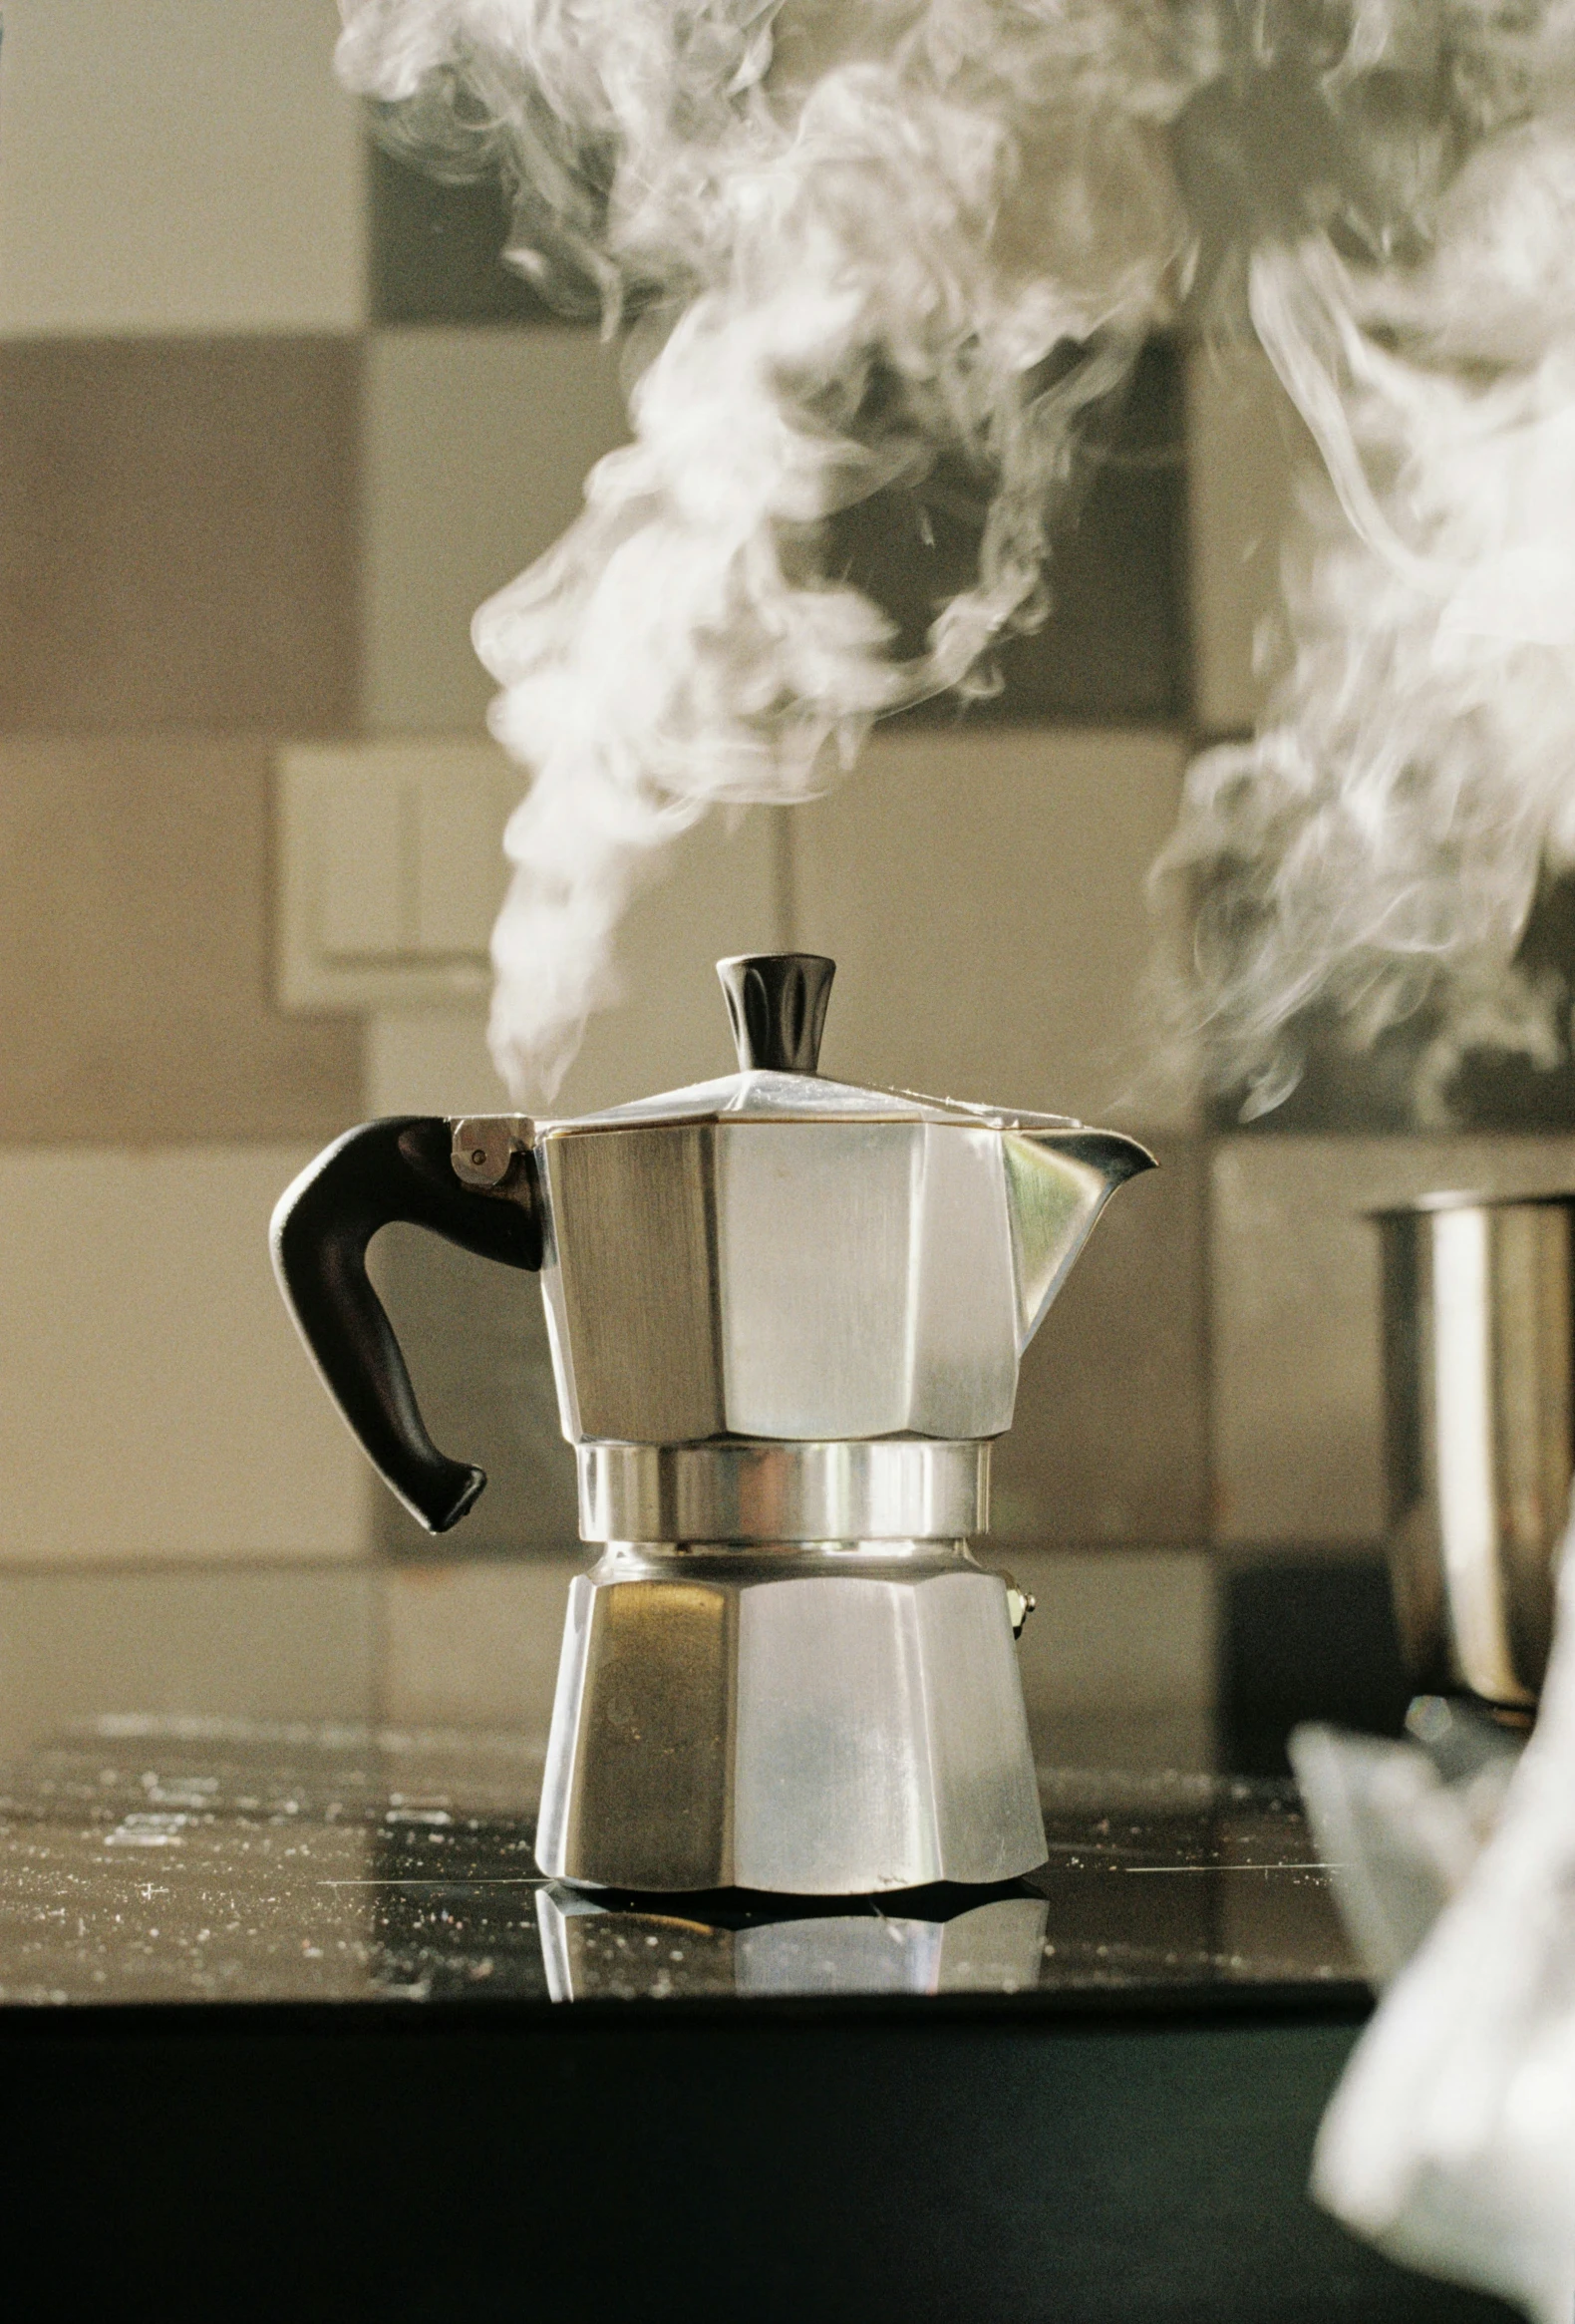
(776, 1001)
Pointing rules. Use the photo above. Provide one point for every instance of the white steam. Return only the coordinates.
(1379, 846)
(859, 237)
(856, 233)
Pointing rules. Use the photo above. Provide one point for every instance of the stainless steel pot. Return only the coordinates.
(1480, 1390)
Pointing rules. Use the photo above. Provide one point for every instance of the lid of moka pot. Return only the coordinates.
(778, 1003)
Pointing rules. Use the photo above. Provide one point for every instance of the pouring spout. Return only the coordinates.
(1118, 1157)
(1058, 1182)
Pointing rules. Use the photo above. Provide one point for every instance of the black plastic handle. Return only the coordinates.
(394, 1170)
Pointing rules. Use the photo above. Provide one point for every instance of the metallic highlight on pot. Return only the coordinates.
(1479, 1380)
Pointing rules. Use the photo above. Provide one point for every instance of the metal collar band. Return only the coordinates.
(883, 1490)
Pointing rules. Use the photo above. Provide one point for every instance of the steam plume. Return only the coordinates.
(858, 239)
(1380, 845)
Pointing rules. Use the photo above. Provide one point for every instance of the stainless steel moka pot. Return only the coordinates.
(1480, 1390)
(785, 1317)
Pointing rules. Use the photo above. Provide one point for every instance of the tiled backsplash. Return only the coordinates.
(180, 519)
(135, 950)
(218, 1641)
(175, 168)
(154, 1399)
(274, 424)
(1117, 647)
(1111, 1439)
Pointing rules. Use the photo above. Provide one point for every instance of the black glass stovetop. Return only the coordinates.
(148, 1861)
(292, 2009)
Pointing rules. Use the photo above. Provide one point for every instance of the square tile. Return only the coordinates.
(134, 951)
(1117, 1658)
(1109, 1441)
(1305, 1639)
(983, 895)
(1115, 643)
(175, 167)
(179, 518)
(475, 1645)
(1296, 1391)
(155, 1400)
(435, 249)
(1245, 444)
(279, 1644)
(478, 446)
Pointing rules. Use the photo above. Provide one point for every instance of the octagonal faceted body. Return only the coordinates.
(805, 1279)
(798, 1722)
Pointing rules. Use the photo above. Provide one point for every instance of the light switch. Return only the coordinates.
(391, 871)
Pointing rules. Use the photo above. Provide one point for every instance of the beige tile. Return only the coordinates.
(178, 520)
(155, 1401)
(1245, 443)
(475, 1645)
(1110, 1437)
(1117, 1658)
(1295, 1297)
(478, 446)
(431, 1061)
(250, 1643)
(175, 167)
(983, 896)
(134, 951)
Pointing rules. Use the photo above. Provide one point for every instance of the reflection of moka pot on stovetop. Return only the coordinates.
(785, 1319)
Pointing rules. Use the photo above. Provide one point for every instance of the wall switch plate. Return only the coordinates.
(391, 871)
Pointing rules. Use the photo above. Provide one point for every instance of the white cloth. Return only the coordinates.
(1450, 2141)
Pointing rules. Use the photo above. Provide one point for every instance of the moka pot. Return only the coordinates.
(786, 1316)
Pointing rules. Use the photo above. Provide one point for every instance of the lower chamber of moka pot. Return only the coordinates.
(804, 1718)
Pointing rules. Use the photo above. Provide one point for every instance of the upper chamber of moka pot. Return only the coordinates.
(782, 1307)
(780, 1256)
